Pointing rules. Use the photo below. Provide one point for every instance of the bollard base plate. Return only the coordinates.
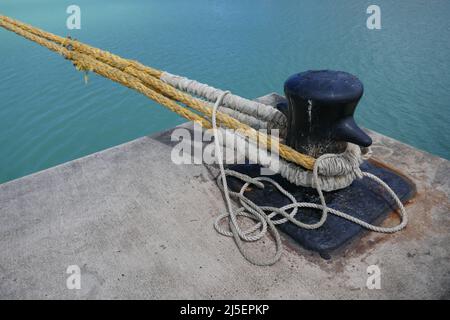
(363, 199)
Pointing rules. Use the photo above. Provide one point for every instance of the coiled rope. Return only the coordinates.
(265, 222)
(334, 173)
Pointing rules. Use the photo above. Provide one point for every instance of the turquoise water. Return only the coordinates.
(49, 116)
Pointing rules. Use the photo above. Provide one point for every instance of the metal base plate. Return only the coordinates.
(363, 199)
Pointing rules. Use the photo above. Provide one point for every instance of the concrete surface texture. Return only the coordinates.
(140, 226)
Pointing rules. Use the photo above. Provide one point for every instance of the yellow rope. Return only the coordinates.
(101, 55)
(139, 77)
(84, 62)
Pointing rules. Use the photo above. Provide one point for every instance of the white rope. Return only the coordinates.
(256, 214)
(334, 172)
(253, 122)
(265, 222)
(272, 116)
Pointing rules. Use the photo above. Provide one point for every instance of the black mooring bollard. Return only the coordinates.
(320, 107)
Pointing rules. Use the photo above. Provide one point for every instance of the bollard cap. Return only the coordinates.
(320, 111)
(325, 85)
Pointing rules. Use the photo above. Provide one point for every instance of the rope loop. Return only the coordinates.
(331, 166)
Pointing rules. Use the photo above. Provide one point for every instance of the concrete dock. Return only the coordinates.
(140, 226)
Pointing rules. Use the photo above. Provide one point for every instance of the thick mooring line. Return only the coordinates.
(136, 76)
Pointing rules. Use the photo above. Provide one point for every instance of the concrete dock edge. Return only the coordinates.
(139, 226)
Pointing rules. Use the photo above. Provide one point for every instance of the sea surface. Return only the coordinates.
(49, 116)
